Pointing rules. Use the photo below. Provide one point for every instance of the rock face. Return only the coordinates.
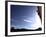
(25, 17)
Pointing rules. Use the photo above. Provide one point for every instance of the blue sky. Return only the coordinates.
(24, 16)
